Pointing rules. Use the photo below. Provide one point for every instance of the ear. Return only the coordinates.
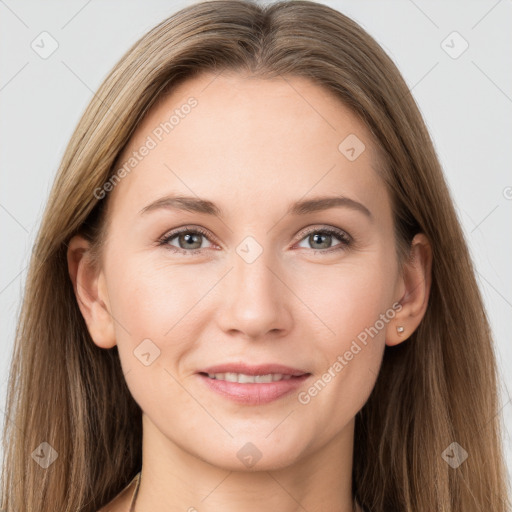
(414, 286)
(91, 292)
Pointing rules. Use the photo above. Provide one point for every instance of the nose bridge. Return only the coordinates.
(255, 301)
(253, 276)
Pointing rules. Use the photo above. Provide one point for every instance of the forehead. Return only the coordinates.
(217, 136)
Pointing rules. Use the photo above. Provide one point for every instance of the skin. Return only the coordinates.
(252, 147)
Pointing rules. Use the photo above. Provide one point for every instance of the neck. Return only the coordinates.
(173, 478)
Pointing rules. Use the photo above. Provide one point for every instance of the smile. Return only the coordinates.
(252, 389)
(243, 378)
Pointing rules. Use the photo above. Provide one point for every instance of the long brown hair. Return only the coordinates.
(437, 388)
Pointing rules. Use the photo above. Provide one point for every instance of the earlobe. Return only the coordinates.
(91, 292)
(415, 283)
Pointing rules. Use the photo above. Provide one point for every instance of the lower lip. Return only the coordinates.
(254, 393)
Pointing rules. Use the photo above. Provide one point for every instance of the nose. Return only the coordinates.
(256, 303)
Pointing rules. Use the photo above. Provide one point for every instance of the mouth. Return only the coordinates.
(254, 385)
(243, 378)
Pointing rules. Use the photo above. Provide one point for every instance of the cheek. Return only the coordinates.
(145, 305)
(150, 309)
(354, 307)
(347, 299)
(151, 298)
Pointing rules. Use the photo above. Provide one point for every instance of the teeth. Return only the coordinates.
(242, 378)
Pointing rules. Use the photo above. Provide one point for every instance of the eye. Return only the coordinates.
(322, 239)
(188, 239)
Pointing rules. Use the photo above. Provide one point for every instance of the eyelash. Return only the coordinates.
(345, 239)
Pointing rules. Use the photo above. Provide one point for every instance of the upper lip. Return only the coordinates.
(260, 369)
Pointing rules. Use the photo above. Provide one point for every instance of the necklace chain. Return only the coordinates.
(136, 492)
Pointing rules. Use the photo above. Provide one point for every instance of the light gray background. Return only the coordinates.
(466, 102)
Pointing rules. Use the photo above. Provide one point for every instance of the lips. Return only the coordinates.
(253, 385)
(261, 369)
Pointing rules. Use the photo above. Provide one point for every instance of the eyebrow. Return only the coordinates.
(303, 207)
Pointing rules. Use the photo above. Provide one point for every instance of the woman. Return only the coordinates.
(193, 347)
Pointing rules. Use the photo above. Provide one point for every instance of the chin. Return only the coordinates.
(255, 454)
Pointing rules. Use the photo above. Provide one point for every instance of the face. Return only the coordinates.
(250, 278)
